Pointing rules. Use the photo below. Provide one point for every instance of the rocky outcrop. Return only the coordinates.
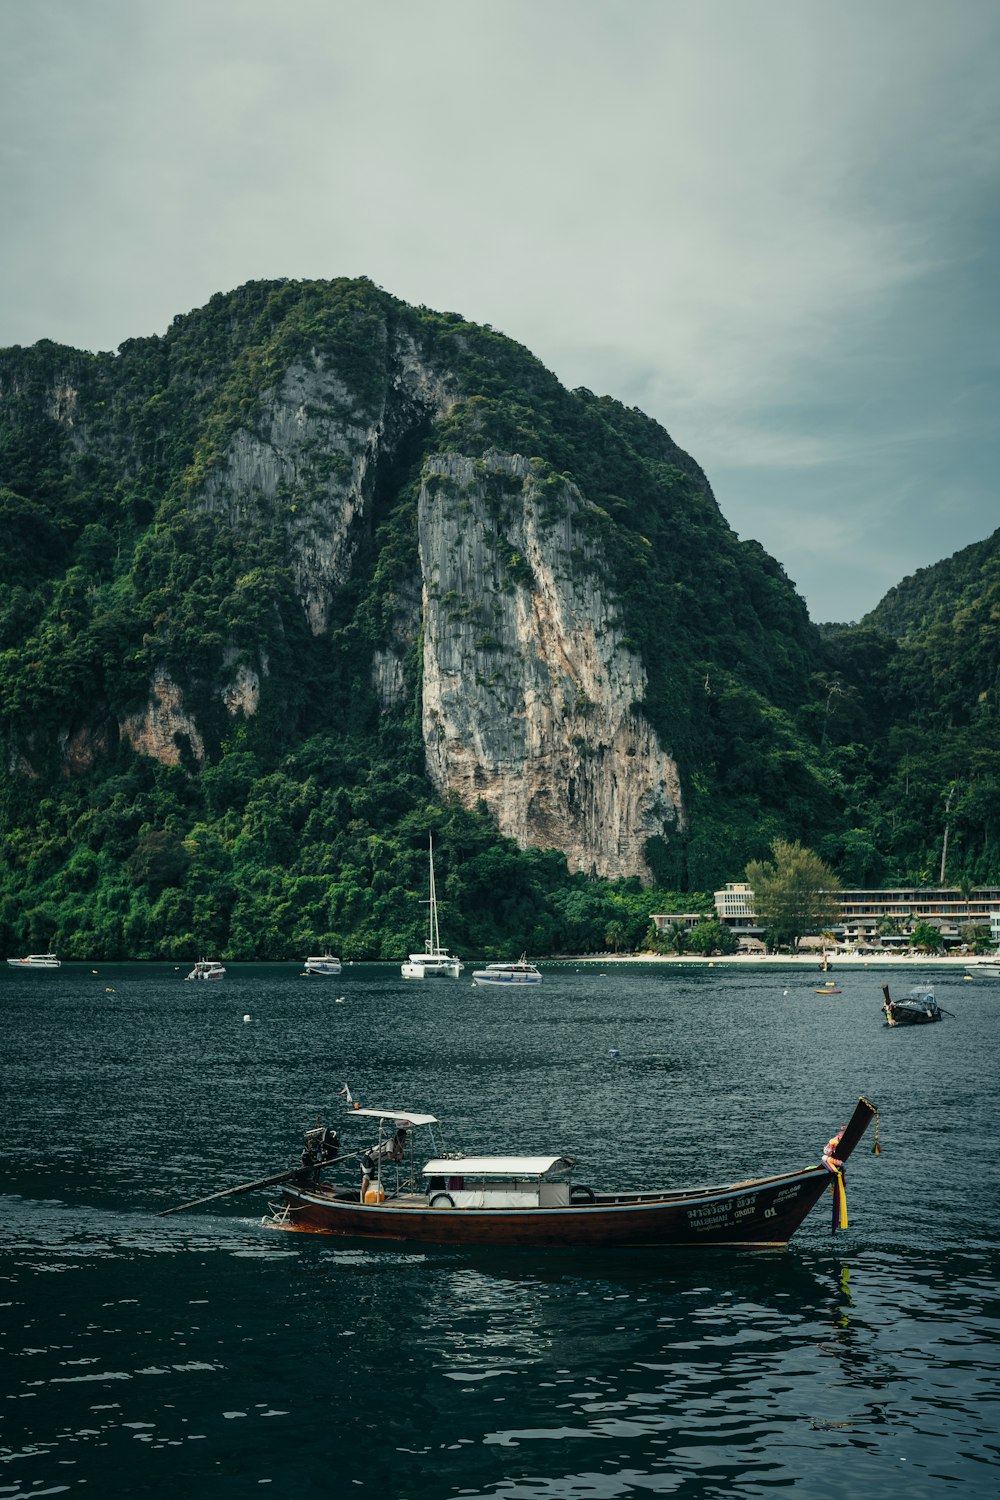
(529, 691)
(86, 745)
(62, 407)
(311, 463)
(161, 728)
(241, 694)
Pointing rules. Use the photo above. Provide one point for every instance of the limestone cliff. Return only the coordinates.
(529, 694)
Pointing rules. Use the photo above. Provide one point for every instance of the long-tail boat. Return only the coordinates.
(916, 1008)
(461, 1200)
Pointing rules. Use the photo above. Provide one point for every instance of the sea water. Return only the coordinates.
(206, 1355)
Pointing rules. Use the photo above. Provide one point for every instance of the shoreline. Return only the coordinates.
(790, 960)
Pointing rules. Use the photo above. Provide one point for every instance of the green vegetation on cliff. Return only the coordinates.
(306, 821)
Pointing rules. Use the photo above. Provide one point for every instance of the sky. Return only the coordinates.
(773, 225)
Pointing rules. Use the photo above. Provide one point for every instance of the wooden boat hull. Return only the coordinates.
(900, 1015)
(766, 1211)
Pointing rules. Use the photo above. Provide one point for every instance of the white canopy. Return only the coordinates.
(494, 1166)
(403, 1119)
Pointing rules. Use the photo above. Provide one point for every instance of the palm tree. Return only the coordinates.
(678, 937)
(614, 933)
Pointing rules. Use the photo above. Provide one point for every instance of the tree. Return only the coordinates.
(927, 937)
(794, 894)
(976, 935)
(712, 937)
(614, 932)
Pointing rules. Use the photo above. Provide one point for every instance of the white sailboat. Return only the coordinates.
(436, 962)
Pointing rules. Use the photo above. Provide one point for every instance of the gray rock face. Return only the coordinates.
(311, 462)
(528, 690)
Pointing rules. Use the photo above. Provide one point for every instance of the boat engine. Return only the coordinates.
(321, 1145)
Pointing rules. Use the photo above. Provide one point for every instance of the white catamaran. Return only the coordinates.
(436, 962)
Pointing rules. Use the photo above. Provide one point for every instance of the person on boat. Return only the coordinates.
(393, 1149)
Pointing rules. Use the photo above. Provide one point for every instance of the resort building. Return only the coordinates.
(884, 917)
(664, 921)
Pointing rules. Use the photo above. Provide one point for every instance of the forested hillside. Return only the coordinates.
(225, 648)
(915, 697)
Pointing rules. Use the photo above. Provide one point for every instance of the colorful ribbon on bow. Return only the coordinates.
(839, 1191)
(837, 1188)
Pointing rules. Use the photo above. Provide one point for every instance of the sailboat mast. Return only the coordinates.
(434, 939)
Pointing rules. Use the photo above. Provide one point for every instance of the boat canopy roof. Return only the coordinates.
(404, 1119)
(494, 1166)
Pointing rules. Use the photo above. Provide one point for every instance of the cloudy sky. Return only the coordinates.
(771, 224)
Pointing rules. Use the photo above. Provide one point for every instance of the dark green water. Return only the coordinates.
(206, 1356)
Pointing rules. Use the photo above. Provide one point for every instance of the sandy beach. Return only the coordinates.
(792, 960)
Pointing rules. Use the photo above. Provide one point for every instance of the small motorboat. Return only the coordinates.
(916, 1008)
(520, 972)
(206, 968)
(35, 961)
(531, 1200)
(324, 964)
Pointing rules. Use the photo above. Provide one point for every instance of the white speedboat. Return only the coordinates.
(35, 961)
(206, 968)
(520, 972)
(986, 969)
(324, 964)
(436, 962)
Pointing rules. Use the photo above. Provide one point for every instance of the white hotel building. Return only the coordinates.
(862, 911)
